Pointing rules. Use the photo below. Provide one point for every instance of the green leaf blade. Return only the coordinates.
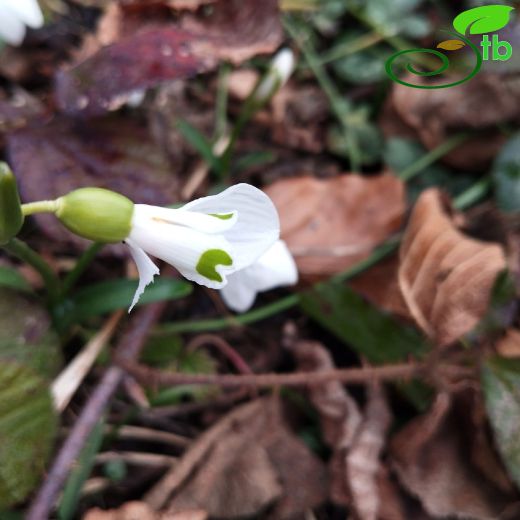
(27, 429)
(370, 332)
(112, 295)
(501, 387)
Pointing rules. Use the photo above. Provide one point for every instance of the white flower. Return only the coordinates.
(207, 239)
(15, 15)
(279, 72)
(275, 268)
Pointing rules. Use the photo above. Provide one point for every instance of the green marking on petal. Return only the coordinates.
(209, 260)
(222, 216)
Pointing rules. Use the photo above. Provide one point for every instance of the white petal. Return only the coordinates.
(257, 226)
(27, 11)
(275, 268)
(191, 219)
(12, 29)
(279, 72)
(239, 293)
(183, 247)
(146, 268)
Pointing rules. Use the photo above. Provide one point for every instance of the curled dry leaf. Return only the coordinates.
(340, 416)
(445, 277)
(154, 53)
(481, 104)
(250, 441)
(363, 465)
(430, 456)
(331, 224)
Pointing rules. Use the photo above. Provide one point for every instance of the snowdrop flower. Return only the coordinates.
(206, 240)
(275, 268)
(15, 15)
(279, 72)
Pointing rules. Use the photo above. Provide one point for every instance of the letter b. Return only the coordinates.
(496, 45)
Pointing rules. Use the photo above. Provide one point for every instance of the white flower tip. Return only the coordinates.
(146, 269)
(281, 68)
(15, 15)
(283, 64)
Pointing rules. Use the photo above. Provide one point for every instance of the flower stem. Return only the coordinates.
(41, 206)
(28, 255)
(83, 262)
(429, 158)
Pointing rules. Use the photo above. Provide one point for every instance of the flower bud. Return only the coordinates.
(11, 217)
(97, 214)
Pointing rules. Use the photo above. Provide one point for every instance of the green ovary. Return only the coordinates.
(209, 260)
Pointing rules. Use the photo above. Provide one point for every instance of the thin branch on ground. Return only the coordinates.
(347, 375)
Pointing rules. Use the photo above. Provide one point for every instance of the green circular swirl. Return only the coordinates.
(445, 64)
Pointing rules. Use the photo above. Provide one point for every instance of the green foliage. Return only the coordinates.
(27, 428)
(109, 296)
(169, 353)
(506, 176)
(11, 218)
(501, 386)
(369, 331)
(80, 473)
(200, 143)
(481, 20)
(500, 312)
(26, 336)
(403, 154)
(12, 279)
(397, 17)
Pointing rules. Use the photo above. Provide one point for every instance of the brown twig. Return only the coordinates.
(347, 375)
(127, 350)
(224, 347)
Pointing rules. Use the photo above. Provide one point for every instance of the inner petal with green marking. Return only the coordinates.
(222, 216)
(208, 261)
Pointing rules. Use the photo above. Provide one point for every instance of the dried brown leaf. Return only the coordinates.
(339, 413)
(363, 464)
(240, 466)
(237, 30)
(445, 276)
(431, 460)
(155, 51)
(380, 286)
(331, 224)
(483, 103)
(509, 345)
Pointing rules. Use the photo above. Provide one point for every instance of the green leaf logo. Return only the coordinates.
(481, 20)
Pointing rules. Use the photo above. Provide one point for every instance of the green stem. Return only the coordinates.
(22, 251)
(473, 194)
(81, 265)
(338, 105)
(42, 206)
(433, 155)
(347, 49)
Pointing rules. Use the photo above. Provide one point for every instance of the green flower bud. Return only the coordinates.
(97, 214)
(11, 217)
